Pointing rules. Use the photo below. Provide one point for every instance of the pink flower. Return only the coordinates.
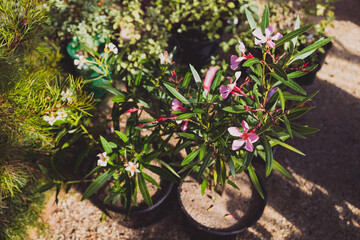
(236, 60)
(268, 39)
(176, 106)
(225, 91)
(209, 78)
(246, 138)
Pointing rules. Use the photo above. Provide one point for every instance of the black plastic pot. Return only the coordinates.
(202, 232)
(139, 216)
(194, 48)
(309, 78)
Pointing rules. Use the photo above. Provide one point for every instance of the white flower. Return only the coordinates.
(66, 96)
(79, 62)
(165, 58)
(132, 168)
(61, 115)
(112, 48)
(51, 118)
(102, 159)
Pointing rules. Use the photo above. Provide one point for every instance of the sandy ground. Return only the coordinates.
(322, 201)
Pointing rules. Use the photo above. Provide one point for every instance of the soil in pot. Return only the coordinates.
(232, 212)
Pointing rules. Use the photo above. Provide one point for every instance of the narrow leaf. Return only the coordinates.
(250, 19)
(203, 186)
(122, 136)
(292, 35)
(105, 144)
(265, 21)
(268, 154)
(97, 184)
(176, 94)
(144, 190)
(254, 179)
(190, 157)
(196, 76)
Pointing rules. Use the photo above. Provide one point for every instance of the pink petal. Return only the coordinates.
(270, 44)
(230, 79)
(241, 47)
(258, 42)
(237, 144)
(184, 127)
(268, 31)
(258, 33)
(234, 131)
(233, 63)
(277, 36)
(176, 106)
(224, 91)
(209, 77)
(245, 126)
(253, 137)
(249, 147)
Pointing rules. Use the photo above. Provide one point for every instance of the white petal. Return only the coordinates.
(234, 131)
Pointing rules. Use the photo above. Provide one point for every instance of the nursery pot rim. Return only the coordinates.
(224, 232)
(145, 209)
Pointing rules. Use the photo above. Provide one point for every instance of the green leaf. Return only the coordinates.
(44, 187)
(250, 62)
(111, 90)
(138, 79)
(60, 135)
(255, 79)
(186, 80)
(185, 116)
(144, 104)
(105, 144)
(277, 167)
(144, 190)
(297, 26)
(306, 99)
(161, 172)
(290, 83)
(247, 160)
(292, 35)
(196, 76)
(310, 49)
(254, 179)
(205, 163)
(199, 111)
(279, 71)
(169, 168)
(235, 109)
(187, 135)
(282, 99)
(97, 184)
(265, 21)
(231, 183)
(231, 166)
(285, 145)
(303, 129)
(190, 157)
(123, 137)
(217, 80)
(250, 19)
(151, 180)
(287, 125)
(269, 155)
(298, 112)
(203, 186)
(176, 94)
(118, 99)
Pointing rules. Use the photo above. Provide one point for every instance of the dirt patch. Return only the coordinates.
(232, 209)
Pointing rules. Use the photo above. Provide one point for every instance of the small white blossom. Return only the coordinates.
(103, 159)
(50, 118)
(61, 115)
(67, 95)
(79, 62)
(112, 48)
(165, 58)
(132, 168)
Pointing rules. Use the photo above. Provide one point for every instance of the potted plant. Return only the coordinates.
(225, 123)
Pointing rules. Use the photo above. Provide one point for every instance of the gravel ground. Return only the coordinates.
(322, 201)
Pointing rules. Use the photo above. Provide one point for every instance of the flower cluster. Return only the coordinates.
(59, 115)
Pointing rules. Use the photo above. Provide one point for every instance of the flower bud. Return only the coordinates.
(209, 78)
